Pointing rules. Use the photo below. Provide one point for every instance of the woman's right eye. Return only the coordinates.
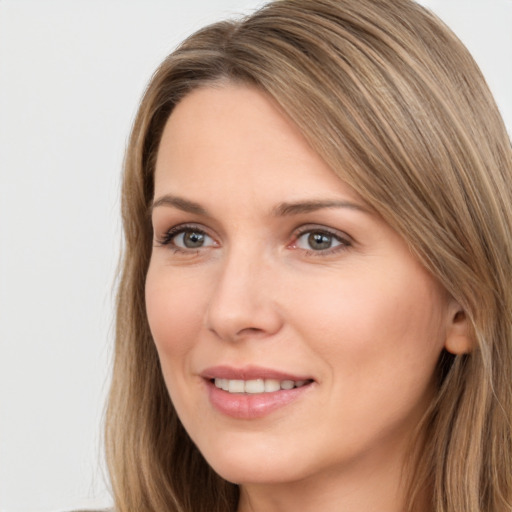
(187, 238)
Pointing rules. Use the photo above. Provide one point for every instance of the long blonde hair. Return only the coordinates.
(394, 103)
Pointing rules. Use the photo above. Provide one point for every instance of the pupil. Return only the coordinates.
(319, 241)
(193, 239)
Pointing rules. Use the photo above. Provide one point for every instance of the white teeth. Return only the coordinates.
(257, 385)
(287, 384)
(272, 385)
(222, 384)
(236, 386)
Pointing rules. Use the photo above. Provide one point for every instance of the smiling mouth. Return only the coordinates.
(257, 386)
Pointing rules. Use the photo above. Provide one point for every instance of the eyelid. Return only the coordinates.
(166, 239)
(345, 240)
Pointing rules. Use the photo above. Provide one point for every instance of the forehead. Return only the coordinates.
(235, 139)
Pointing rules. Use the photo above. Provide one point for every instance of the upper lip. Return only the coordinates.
(249, 373)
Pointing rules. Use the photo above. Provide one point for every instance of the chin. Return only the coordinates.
(253, 464)
(264, 474)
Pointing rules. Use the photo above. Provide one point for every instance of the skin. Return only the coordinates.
(362, 318)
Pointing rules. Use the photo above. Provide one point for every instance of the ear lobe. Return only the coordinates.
(458, 338)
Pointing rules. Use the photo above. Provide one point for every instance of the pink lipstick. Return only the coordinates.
(252, 392)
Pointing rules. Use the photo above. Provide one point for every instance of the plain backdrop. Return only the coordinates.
(71, 75)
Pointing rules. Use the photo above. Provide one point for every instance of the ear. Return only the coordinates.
(458, 335)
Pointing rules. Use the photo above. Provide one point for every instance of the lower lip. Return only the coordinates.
(251, 406)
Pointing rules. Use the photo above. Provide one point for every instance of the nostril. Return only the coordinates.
(249, 330)
(234, 314)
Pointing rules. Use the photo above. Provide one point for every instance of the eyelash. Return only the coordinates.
(343, 239)
(171, 234)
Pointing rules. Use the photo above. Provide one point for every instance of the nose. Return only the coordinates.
(242, 304)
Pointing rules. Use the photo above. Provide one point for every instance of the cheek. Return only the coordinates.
(381, 340)
(379, 325)
(174, 312)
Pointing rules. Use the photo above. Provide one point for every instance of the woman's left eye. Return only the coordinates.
(317, 240)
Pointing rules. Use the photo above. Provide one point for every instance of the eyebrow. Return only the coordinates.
(299, 207)
(180, 203)
(281, 210)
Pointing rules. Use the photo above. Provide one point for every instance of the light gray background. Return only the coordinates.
(71, 75)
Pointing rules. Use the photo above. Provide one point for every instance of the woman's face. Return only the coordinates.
(297, 334)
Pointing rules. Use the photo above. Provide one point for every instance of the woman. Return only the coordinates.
(316, 298)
